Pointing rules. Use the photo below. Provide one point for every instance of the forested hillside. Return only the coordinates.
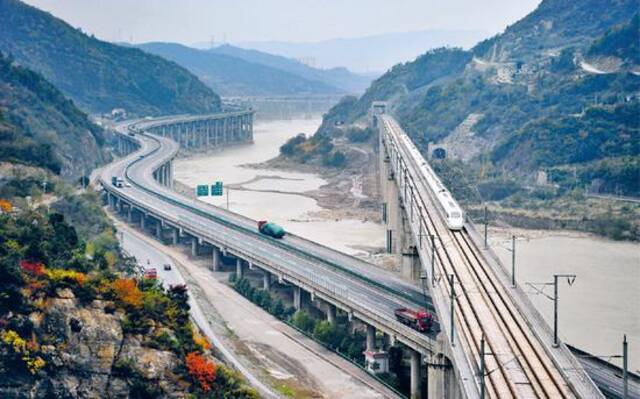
(232, 76)
(97, 75)
(551, 103)
(39, 126)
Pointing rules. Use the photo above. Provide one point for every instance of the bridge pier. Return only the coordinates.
(194, 246)
(416, 381)
(215, 259)
(239, 268)
(143, 221)
(175, 236)
(411, 263)
(266, 280)
(158, 229)
(297, 297)
(376, 361)
(331, 313)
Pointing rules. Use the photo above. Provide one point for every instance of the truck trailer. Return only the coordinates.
(270, 229)
(418, 320)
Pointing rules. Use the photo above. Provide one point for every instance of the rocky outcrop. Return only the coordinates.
(89, 356)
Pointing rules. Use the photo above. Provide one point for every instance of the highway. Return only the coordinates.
(517, 362)
(366, 291)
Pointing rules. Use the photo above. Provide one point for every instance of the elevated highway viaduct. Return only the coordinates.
(361, 290)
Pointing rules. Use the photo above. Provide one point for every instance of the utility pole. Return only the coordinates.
(486, 226)
(513, 261)
(227, 198)
(570, 279)
(482, 367)
(433, 260)
(625, 374)
(453, 297)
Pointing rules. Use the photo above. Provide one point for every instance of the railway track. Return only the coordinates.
(517, 364)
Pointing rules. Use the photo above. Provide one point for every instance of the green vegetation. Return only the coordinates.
(42, 254)
(40, 127)
(539, 112)
(337, 337)
(97, 75)
(621, 41)
(313, 149)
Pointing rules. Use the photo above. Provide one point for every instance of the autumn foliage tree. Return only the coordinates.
(201, 370)
(127, 292)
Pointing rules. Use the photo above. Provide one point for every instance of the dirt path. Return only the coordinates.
(292, 363)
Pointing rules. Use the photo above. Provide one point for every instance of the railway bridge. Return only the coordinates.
(496, 343)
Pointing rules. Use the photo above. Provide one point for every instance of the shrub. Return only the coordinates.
(201, 341)
(357, 135)
(302, 320)
(336, 159)
(201, 370)
(127, 292)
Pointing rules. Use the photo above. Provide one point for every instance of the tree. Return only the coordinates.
(201, 370)
(303, 321)
(326, 332)
(127, 292)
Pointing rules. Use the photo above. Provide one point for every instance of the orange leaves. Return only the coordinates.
(201, 341)
(127, 292)
(201, 370)
(5, 206)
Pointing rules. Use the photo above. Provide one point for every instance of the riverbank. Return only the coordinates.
(337, 208)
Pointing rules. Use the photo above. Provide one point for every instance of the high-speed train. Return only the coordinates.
(447, 206)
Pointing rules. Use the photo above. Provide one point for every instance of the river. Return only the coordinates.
(288, 207)
(603, 303)
(595, 312)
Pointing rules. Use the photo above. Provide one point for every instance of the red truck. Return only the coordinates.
(418, 320)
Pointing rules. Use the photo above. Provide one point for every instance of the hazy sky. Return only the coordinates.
(191, 21)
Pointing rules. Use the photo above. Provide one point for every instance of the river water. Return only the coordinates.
(287, 207)
(595, 312)
(603, 303)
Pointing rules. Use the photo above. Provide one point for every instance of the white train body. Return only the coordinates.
(448, 206)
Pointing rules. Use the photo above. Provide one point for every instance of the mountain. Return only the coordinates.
(371, 53)
(233, 76)
(39, 126)
(339, 77)
(539, 112)
(99, 76)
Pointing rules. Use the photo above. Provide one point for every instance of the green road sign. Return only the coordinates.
(202, 190)
(216, 189)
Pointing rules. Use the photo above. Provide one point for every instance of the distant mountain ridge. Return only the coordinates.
(97, 75)
(40, 127)
(338, 77)
(231, 75)
(370, 53)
